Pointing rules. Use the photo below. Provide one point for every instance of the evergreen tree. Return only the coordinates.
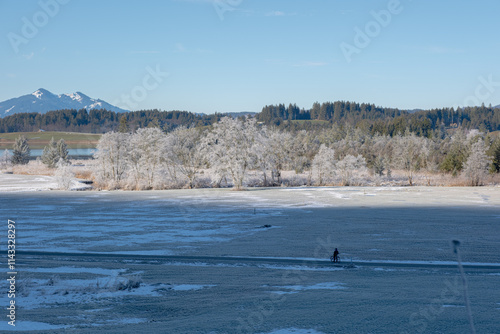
(50, 156)
(21, 151)
(55, 152)
(62, 150)
(495, 152)
(123, 125)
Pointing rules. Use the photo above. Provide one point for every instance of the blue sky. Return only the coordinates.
(239, 55)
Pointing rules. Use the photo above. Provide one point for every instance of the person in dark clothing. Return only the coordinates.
(336, 255)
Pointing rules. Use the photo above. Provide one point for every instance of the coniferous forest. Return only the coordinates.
(367, 117)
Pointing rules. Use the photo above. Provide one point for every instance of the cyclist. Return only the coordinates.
(336, 255)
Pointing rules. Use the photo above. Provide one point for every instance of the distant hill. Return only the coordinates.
(42, 101)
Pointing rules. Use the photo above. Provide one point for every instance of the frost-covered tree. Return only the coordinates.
(272, 149)
(50, 156)
(352, 143)
(62, 150)
(348, 166)
(183, 154)
(54, 152)
(280, 146)
(21, 151)
(229, 147)
(324, 164)
(64, 175)
(477, 164)
(304, 147)
(455, 152)
(379, 166)
(112, 159)
(409, 154)
(145, 157)
(5, 159)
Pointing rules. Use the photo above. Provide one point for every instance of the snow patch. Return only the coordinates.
(93, 106)
(41, 293)
(38, 94)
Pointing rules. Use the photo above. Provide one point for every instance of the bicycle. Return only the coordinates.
(333, 260)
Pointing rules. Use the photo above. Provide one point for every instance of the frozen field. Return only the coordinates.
(255, 261)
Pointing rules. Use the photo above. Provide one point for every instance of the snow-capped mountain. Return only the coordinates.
(42, 101)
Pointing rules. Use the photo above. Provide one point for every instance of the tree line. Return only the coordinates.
(378, 120)
(225, 154)
(101, 121)
(368, 117)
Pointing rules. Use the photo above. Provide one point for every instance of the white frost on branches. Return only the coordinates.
(324, 164)
(112, 159)
(477, 164)
(229, 148)
(183, 154)
(409, 153)
(5, 160)
(145, 157)
(348, 166)
(64, 175)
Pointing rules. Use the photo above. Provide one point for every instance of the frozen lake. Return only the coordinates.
(256, 261)
(85, 152)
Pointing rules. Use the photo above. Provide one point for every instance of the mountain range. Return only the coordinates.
(42, 101)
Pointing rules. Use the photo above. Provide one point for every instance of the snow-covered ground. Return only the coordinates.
(27, 183)
(255, 261)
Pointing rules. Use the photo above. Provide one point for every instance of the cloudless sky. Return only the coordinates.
(239, 55)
